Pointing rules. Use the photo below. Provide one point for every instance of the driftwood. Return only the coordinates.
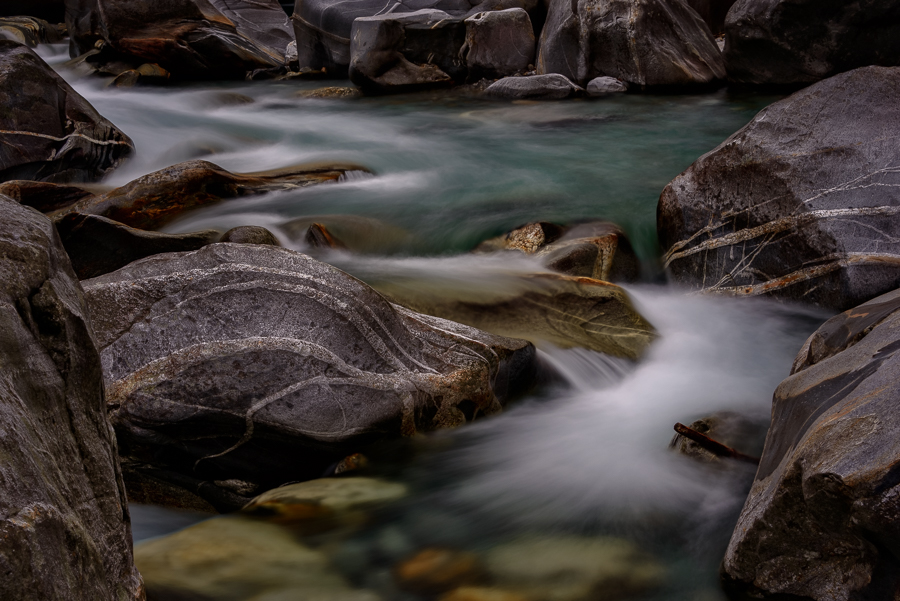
(713, 446)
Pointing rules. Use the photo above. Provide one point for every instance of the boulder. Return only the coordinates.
(191, 39)
(53, 11)
(823, 517)
(802, 203)
(152, 201)
(798, 42)
(498, 43)
(30, 31)
(258, 363)
(43, 196)
(533, 87)
(250, 234)
(97, 245)
(48, 132)
(603, 86)
(641, 42)
(64, 519)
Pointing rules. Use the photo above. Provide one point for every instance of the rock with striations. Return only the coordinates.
(64, 522)
(48, 131)
(189, 38)
(498, 43)
(533, 87)
(798, 42)
(258, 363)
(802, 203)
(823, 516)
(641, 42)
(30, 31)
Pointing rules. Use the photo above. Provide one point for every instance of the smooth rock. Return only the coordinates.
(64, 521)
(250, 234)
(498, 43)
(604, 86)
(240, 559)
(152, 201)
(43, 196)
(800, 42)
(97, 245)
(275, 365)
(802, 203)
(49, 132)
(823, 514)
(641, 42)
(436, 570)
(533, 87)
(192, 39)
(30, 31)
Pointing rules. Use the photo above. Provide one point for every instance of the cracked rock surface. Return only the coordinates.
(262, 364)
(802, 203)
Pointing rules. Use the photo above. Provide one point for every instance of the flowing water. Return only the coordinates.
(587, 455)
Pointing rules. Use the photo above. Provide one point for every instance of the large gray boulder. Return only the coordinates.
(641, 42)
(803, 41)
(823, 515)
(802, 203)
(258, 363)
(48, 132)
(189, 38)
(499, 43)
(64, 522)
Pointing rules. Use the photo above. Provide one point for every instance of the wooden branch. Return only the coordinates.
(713, 446)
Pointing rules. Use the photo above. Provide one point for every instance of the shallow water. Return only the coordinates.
(588, 455)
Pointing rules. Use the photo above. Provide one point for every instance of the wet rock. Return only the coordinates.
(63, 514)
(401, 52)
(43, 196)
(436, 570)
(498, 43)
(565, 311)
(49, 132)
(30, 31)
(533, 87)
(351, 463)
(53, 11)
(152, 201)
(604, 86)
(802, 203)
(641, 42)
(146, 483)
(332, 92)
(481, 593)
(239, 559)
(275, 365)
(318, 236)
(190, 38)
(822, 514)
(145, 74)
(529, 238)
(797, 43)
(727, 427)
(250, 234)
(573, 569)
(355, 233)
(97, 245)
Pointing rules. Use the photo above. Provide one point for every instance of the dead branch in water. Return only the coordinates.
(713, 446)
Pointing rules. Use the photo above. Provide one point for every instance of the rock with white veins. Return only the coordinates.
(258, 363)
(802, 203)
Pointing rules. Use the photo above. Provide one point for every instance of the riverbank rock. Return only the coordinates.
(797, 43)
(152, 201)
(43, 196)
(274, 365)
(823, 514)
(97, 245)
(604, 86)
(63, 514)
(30, 31)
(498, 43)
(191, 39)
(240, 559)
(533, 87)
(49, 132)
(641, 42)
(802, 203)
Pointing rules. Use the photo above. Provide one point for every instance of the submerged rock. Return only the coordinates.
(63, 514)
(275, 365)
(355, 233)
(533, 87)
(823, 511)
(152, 201)
(436, 570)
(802, 203)
(189, 38)
(641, 42)
(800, 42)
(49, 132)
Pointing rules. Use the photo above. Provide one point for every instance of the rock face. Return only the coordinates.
(533, 87)
(803, 41)
(801, 203)
(274, 365)
(498, 43)
(49, 132)
(189, 38)
(641, 42)
(63, 516)
(821, 520)
(152, 201)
